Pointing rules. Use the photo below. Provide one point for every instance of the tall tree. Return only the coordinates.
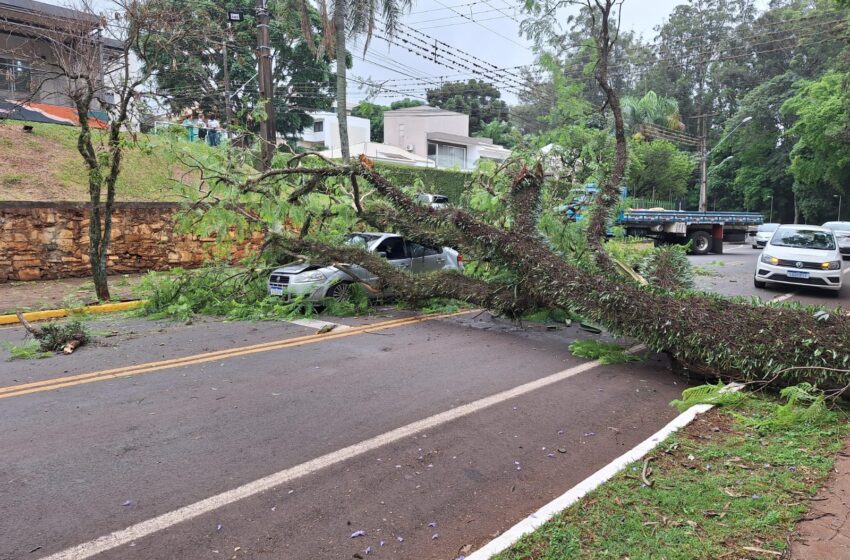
(651, 109)
(350, 19)
(659, 169)
(820, 159)
(476, 98)
(96, 69)
(196, 77)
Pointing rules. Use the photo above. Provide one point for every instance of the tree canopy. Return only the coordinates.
(476, 98)
(302, 81)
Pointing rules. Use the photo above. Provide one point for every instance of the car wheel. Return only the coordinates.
(759, 283)
(700, 242)
(340, 292)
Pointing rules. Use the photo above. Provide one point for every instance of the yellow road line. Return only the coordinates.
(71, 380)
(57, 313)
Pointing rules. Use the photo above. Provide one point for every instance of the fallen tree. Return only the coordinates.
(714, 336)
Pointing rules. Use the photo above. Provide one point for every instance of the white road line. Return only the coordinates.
(577, 492)
(166, 520)
(315, 324)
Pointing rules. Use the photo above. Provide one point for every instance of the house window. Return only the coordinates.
(318, 126)
(14, 75)
(446, 155)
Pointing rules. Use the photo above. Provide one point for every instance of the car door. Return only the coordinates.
(395, 251)
(433, 259)
(416, 252)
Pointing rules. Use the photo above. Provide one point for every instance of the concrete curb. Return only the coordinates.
(56, 313)
(594, 481)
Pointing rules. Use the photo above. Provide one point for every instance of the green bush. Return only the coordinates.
(450, 183)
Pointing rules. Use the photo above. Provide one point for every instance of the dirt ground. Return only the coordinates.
(53, 294)
(22, 172)
(824, 534)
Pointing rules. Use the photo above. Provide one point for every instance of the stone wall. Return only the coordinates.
(45, 240)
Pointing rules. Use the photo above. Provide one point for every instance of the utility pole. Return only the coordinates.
(264, 69)
(226, 86)
(703, 174)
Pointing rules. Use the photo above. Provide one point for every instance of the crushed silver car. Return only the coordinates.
(315, 283)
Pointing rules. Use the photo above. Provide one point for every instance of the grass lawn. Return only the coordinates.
(727, 486)
(45, 164)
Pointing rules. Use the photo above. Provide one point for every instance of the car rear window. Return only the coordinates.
(804, 239)
(441, 200)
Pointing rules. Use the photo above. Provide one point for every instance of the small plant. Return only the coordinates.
(56, 335)
(606, 352)
(28, 350)
(708, 394)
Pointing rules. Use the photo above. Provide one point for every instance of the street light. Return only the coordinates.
(703, 191)
(839, 197)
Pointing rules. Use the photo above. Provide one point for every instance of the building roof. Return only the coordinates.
(32, 18)
(423, 111)
(380, 152)
(458, 139)
(33, 7)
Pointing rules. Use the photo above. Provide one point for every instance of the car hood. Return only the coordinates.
(298, 267)
(798, 254)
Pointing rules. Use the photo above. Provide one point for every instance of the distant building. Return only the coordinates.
(26, 56)
(324, 133)
(439, 135)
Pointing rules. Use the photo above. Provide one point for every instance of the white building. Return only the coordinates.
(441, 136)
(324, 134)
(376, 151)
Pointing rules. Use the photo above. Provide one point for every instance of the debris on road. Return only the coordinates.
(359, 533)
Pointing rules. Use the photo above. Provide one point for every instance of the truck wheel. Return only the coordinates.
(700, 242)
(759, 283)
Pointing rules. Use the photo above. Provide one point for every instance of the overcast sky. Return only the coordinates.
(485, 29)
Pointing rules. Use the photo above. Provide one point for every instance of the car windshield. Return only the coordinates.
(804, 239)
(362, 239)
(838, 226)
(768, 227)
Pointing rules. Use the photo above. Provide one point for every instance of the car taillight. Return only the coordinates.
(459, 258)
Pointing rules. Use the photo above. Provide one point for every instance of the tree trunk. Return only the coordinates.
(341, 85)
(98, 233)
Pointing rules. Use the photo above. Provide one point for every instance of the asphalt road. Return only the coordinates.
(287, 450)
(732, 274)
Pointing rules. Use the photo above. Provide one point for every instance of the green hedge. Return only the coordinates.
(436, 181)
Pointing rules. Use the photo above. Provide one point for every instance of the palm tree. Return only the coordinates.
(651, 109)
(351, 18)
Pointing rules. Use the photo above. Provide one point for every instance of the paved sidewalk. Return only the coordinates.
(824, 533)
(53, 294)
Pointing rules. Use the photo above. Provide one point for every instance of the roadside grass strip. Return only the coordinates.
(725, 486)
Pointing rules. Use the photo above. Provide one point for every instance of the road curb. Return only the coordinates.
(57, 313)
(589, 484)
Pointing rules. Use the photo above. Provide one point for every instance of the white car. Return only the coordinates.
(436, 201)
(842, 235)
(800, 255)
(763, 235)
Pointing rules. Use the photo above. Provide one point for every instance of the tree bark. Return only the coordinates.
(341, 78)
